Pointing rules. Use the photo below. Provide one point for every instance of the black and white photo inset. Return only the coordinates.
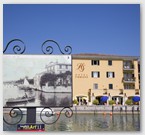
(37, 81)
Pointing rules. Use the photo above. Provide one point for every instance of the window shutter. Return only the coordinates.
(92, 62)
(107, 74)
(113, 74)
(98, 62)
(98, 74)
(92, 74)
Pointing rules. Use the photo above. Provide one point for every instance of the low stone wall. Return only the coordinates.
(92, 109)
(106, 109)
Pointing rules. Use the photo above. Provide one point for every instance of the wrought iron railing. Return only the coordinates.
(18, 47)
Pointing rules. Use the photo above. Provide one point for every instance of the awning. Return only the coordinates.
(81, 96)
(104, 98)
(84, 98)
(136, 98)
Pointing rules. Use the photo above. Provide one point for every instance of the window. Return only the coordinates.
(128, 64)
(53, 68)
(129, 86)
(109, 62)
(95, 74)
(66, 66)
(110, 86)
(60, 66)
(110, 74)
(95, 62)
(95, 86)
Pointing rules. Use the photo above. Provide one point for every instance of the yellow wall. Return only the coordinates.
(83, 81)
(136, 74)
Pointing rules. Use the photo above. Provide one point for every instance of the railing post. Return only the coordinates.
(31, 115)
(112, 108)
(76, 109)
(138, 109)
(120, 109)
(133, 109)
(126, 109)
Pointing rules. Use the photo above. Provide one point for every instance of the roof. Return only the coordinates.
(103, 56)
(56, 63)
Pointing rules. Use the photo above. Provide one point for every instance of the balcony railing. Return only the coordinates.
(128, 67)
(128, 80)
(129, 88)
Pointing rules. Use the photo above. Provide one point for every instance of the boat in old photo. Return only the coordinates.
(25, 98)
(25, 85)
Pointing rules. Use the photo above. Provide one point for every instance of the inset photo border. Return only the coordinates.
(37, 81)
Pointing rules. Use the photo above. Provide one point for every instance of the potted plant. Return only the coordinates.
(111, 102)
(96, 102)
(128, 102)
(75, 102)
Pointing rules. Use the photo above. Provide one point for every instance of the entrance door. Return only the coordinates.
(118, 99)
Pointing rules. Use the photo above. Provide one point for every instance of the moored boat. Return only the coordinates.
(25, 86)
(20, 99)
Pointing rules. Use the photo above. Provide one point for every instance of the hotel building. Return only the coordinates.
(58, 68)
(96, 75)
(54, 68)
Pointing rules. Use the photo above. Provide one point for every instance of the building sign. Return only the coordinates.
(81, 76)
(37, 80)
(81, 68)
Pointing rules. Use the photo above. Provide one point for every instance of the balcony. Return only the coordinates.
(128, 80)
(128, 68)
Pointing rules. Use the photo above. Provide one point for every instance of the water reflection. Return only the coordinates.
(135, 121)
(54, 99)
(90, 122)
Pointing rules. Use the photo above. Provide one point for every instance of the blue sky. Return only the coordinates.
(105, 29)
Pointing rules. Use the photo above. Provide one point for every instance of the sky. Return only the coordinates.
(19, 67)
(91, 28)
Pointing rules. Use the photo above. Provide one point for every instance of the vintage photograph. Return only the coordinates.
(37, 80)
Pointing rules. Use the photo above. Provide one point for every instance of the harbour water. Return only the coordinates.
(89, 122)
(50, 99)
(78, 122)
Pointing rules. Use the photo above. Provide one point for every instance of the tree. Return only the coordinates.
(64, 77)
(48, 78)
